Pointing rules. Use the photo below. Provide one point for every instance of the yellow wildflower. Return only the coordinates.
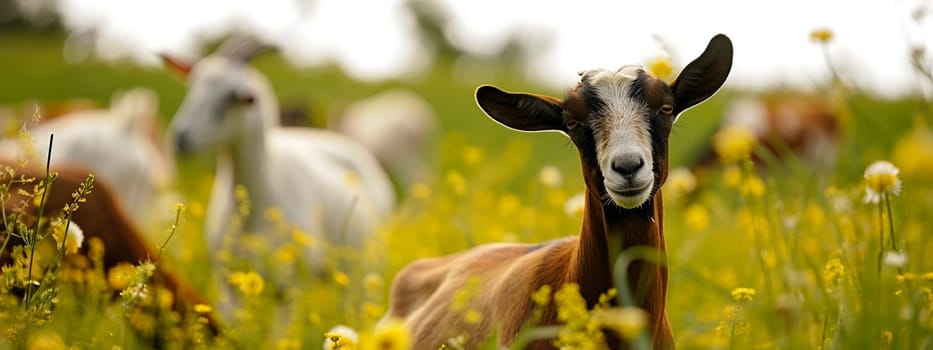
(743, 295)
(722, 328)
(197, 209)
(301, 238)
(928, 296)
(472, 316)
(542, 296)
(472, 155)
(164, 297)
(833, 271)
(274, 214)
(73, 239)
(456, 182)
(696, 217)
(340, 338)
(928, 276)
(372, 311)
(95, 249)
(285, 255)
(420, 191)
(821, 35)
(508, 203)
(906, 277)
(880, 178)
(391, 335)
(242, 199)
(628, 322)
(753, 187)
(288, 344)
(341, 278)
(661, 68)
(815, 215)
(914, 152)
(556, 198)
(249, 283)
(120, 275)
(607, 297)
(580, 331)
(373, 282)
(45, 341)
(734, 143)
(202, 308)
(732, 176)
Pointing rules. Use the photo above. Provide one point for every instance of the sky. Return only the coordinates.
(376, 39)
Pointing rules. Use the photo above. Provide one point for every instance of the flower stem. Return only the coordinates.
(823, 332)
(34, 235)
(732, 335)
(887, 204)
(880, 238)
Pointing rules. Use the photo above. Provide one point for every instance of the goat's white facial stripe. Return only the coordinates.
(622, 132)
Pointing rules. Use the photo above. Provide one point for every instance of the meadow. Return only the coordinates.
(785, 258)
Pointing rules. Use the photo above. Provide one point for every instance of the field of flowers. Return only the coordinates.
(784, 255)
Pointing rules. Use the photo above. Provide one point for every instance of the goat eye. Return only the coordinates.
(667, 109)
(572, 124)
(245, 98)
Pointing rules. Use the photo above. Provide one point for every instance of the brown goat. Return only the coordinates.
(785, 124)
(101, 216)
(620, 122)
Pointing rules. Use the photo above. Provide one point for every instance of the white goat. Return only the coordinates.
(325, 183)
(117, 144)
(396, 126)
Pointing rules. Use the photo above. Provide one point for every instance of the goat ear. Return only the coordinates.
(523, 112)
(176, 64)
(704, 76)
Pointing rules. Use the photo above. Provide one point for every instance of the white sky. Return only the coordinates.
(374, 39)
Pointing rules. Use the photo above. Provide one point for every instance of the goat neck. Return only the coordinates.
(248, 160)
(608, 231)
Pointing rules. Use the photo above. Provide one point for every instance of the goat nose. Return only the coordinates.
(628, 164)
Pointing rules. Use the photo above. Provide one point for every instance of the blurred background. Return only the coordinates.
(333, 52)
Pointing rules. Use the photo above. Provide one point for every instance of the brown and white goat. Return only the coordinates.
(620, 122)
(101, 216)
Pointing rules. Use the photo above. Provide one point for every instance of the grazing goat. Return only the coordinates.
(785, 125)
(101, 216)
(325, 183)
(620, 122)
(396, 127)
(116, 144)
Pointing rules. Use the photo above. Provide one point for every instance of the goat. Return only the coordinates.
(325, 183)
(620, 122)
(395, 126)
(102, 216)
(117, 144)
(784, 124)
